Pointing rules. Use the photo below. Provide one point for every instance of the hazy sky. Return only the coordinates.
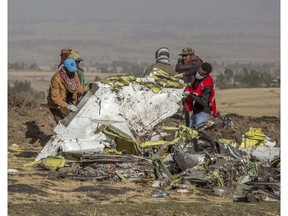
(145, 10)
(165, 15)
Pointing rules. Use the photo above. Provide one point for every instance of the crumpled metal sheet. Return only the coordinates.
(265, 153)
(129, 108)
(186, 160)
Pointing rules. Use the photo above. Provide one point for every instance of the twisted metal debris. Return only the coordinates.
(116, 134)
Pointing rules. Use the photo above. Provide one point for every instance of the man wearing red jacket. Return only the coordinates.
(200, 96)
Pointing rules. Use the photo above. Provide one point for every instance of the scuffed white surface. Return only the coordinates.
(91, 144)
(129, 108)
(266, 153)
(12, 170)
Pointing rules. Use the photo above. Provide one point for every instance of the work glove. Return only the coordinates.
(72, 107)
(88, 86)
(180, 75)
(185, 94)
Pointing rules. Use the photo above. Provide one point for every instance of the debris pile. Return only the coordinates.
(119, 133)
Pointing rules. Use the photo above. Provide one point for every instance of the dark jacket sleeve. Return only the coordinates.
(203, 99)
(189, 69)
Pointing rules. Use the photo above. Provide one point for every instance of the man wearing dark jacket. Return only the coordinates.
(162, 62)
(186, 68)
(188, 65)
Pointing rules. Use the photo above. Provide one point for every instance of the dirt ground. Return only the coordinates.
(34, 191)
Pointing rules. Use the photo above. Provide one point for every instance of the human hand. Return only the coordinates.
(88, 86)
(185, 94)
(180, 75)
(72, 107)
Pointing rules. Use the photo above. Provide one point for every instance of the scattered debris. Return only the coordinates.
(160, 195)
(119, 133)
(12, 170)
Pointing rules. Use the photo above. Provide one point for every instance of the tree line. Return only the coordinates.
(24, 88)
(246, 79)
(24, 66)
(225, 76)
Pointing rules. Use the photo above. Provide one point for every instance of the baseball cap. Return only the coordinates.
(187, 51)
(65, 50)
(75, 55)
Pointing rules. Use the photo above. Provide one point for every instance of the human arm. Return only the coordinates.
(203, 99)
(58, 92)
(188, 69)
(79, 92)
(80, 89)
(179, 66)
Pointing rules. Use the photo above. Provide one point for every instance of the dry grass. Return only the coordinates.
(254, 102)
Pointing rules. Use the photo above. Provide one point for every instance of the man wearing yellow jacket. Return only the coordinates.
(63, 91)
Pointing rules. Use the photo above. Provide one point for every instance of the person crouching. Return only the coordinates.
(200, 96)
(63, 90)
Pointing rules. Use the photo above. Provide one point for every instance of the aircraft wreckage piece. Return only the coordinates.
(266, 153)
(128, 168)
(131, 107)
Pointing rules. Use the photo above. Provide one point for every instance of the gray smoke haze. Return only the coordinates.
(259, 11)
(222, 30)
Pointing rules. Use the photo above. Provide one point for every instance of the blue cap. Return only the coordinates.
(78, 59)
(70, 64)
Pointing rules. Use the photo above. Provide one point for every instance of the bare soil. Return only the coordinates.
(34, 191)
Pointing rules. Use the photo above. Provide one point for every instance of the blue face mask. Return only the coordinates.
(198, 76)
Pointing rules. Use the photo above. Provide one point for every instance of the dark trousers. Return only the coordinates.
(185, 113)
(59, 114)
(187, 118)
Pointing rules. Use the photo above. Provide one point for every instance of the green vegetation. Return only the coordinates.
(23, 66)
(123, 67)
(246, 79)
(237, 75)
(24, 88)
